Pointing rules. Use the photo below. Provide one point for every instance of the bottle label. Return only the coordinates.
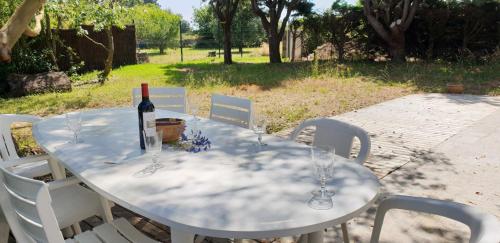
(149, 121)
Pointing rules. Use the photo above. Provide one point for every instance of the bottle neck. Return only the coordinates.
(145, 91)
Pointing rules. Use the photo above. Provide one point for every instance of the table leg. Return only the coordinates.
(180, 236)
(345, 233)
(316, 237)
(106, 210)
(56, 169)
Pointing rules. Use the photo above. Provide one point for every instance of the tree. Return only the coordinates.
(313, 32)
(185, 26)
(391, 19)
(158, 27)
(225, 11)
(341, 23)
(296, 30)
(17, 25)
(246, 28)
(271, 14)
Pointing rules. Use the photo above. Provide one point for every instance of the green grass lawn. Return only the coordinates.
(286, 93)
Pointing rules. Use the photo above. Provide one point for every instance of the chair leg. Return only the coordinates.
(4, 228)
(345, 234)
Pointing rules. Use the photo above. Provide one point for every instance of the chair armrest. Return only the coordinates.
(484, 227)
(25, 160)
(53, 185)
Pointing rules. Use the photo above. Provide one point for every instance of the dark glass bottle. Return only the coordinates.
(147, 121)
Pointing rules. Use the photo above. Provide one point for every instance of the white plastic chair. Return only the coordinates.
(337, 134)
(36, 211)
(231, 110)
(484, 228)
(340, 135)
(172, 99)
(32, 166)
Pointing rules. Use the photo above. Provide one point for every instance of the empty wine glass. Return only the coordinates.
(153, 143)
(323, 161)
(259, 127)
(74, 124)
(194, 107)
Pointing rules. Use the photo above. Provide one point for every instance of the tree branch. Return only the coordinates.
(38, 25)
(379, 28)
(95, 42)
(16, 26)
(256, 9)
(411, 15)
(405, 10)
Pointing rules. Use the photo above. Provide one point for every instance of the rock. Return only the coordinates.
(24, 84)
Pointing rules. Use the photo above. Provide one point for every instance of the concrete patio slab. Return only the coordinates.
(450, 150)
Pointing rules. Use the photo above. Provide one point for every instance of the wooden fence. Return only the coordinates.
(93, 55)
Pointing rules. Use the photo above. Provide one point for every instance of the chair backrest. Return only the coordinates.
(7, 147)
(231, 110)
(26, 204)
(337, 134)
(172, 99)
(484, 228)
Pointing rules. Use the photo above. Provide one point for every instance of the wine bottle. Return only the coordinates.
(147, 121)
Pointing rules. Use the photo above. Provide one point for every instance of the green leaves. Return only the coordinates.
(155, 26)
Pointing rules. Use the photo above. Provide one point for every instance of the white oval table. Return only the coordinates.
(230, 191)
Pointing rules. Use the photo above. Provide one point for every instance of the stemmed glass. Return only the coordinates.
(153, 143)
(323, 161)
(194, 108)
(74, 123)
(259, 127)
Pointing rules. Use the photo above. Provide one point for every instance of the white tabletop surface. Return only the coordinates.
(230, 191)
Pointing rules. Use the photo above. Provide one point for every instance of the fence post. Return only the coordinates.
(180, 37)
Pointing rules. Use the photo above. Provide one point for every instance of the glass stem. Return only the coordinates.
(323, 186)
(260, 139)
(75, 136)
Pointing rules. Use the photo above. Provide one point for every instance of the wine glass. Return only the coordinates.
(194, 107)
(323, 159)
(153, 143)
(259, 128)
(74, 123)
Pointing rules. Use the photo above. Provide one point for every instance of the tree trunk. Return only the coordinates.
(340, 53)
(50, 42)
(108, 65)
(162, 49)
(430, 49)
(293, 48)
(228, 58)
(274, 48)
(397, 46)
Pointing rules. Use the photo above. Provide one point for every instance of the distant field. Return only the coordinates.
(174, 55)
